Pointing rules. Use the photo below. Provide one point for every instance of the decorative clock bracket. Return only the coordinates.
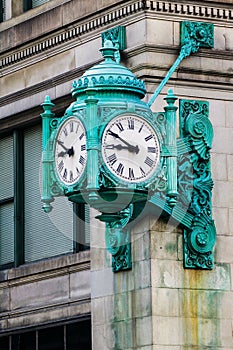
(193, 35)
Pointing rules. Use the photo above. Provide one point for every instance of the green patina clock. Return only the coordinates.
(111, 151)
(130, 148)
(70, 154)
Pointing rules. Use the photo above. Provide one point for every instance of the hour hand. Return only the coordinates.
(119, 147)
(62, 154)
(130, 148)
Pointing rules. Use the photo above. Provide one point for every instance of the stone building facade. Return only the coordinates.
(49, 283)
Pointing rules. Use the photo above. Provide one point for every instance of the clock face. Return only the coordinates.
(130, 148)
(70, 151)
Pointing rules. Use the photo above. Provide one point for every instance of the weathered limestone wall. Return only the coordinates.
(46, 291)
(121, 302)
(191, 309)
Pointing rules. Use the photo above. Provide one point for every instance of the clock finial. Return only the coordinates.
(108, 50)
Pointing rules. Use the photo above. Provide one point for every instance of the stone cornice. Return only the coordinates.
(22, 56)
(139, 70)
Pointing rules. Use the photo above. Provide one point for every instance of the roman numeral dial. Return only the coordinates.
(130, 148)
(70, 153)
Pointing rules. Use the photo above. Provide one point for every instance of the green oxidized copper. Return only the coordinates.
(181, 185)
(117, 36)
(193, 36)
(195, 183)
(47, 157)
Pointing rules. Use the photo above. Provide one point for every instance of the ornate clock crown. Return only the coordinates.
(109, 75)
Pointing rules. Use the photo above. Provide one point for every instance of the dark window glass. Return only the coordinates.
(24, 341)
(27, 5)
(4, 343)
(78, 335)
(51, 338)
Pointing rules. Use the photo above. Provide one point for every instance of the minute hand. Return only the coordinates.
(130, 147)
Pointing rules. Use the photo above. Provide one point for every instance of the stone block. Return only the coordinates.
(231, 221)
(143, 331)
(51, 67)
(142, 303)
(80, 285)
(180, 248)
(124, 332)
(219, 38)
(228, 39)
(63, 89)
(125, 281)
(98, 312)
(109, 302)
(102, 283)
(138, 27)
(224, 249)
(140, 246)
(219, 166)
(225, 309)
(100, 259)
(221, 219)
(205, 304)
(231, 267)
(166, 274)
(48, 291)
(201, 332)
(88, 53)
(167, 330)
(226, 333)
(165, 302)
(99, 340)
(217, 112)
(160, 32)
(223, 194)
(230, 167)
(4, 299)
(223, 140)
(123, 307)
(13, 82)
(171, 274)
(163, 245)
(229, 118)
(142, 274)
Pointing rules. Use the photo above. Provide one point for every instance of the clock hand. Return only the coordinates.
(120, 147)
(62, 145)
(131, 148)
(62, 154)
(69, 151)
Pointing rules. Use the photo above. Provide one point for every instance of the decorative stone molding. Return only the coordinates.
(188, 11)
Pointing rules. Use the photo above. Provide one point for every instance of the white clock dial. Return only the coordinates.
(130, 148)
(70, 151)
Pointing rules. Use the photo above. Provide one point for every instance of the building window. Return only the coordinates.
(27, 233)
(30, 4)
(2, 10)
(69, 336)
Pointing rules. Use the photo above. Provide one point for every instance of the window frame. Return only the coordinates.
(46, 326)
(79, 226)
